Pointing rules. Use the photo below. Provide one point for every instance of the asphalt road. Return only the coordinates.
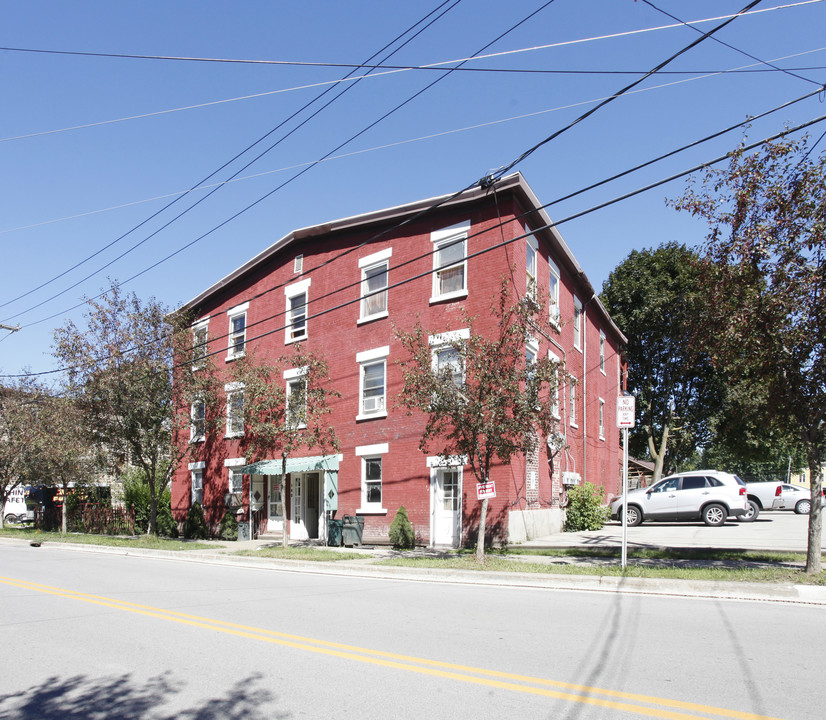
(95, 635)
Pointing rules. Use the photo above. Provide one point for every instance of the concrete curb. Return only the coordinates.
(757, 592)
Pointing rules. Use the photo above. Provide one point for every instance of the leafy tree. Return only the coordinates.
(64, 448)
(120, 370)
(19, 430)
(764, 280)
(487, 404)
(278, 424)
(652, 296)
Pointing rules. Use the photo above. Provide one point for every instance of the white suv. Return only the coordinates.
(707, 495)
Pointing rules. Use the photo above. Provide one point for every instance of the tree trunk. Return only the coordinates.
(285, 486)
(64, 512)
(151, 526)
(480, 540)
(813, 562)
(658, 456)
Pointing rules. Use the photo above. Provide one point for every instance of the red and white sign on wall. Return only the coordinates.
(485, 490)
(626, 411)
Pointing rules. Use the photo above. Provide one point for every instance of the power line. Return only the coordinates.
(217, 187)
(298, 63)
(504, 243)
(271, 192)
(731, 47)
(741, 69)
(499, 173)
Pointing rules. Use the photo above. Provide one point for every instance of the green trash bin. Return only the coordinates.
(334, 532)
(352, 530)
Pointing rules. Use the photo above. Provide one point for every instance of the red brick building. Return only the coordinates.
(339, 288)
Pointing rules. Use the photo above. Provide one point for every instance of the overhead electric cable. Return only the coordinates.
(551, 225)
(351, 78)
(501, 171)
(282, 185)
(219, 186)
(744, 68)
(545, 206)
(298, 63)
(731, 47)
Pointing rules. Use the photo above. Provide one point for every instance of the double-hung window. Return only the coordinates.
(553, 291)
(446, 359)
(200, 337)
(577, 323)
(531, 250)
(235, 409)
(237, 331)
(572, 415)
(235, 482)
(555, 389)
(196, 475)
(197, 414)
(602, 352)
(450, 262)
(601, 419)
(296, 397)
(374, 274)
(372, 492)
(297, 297)
(372, 383)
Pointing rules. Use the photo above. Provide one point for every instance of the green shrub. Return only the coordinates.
(401, 531)
(229, 527)
(136, 495)
(196, 527)
(164, 522)
(586, 508)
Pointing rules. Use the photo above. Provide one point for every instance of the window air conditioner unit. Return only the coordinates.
(571, 478)
(373, 404)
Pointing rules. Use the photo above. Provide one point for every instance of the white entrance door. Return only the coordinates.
(446, 506)
(275, 505)
(305, 516)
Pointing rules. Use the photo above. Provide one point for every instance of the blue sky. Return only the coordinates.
(91, 146)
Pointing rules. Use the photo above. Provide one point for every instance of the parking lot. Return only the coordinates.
(773, 530)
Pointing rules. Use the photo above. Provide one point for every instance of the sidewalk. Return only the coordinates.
(780, 531)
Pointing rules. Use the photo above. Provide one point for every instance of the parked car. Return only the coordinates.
(708, 495)
(777, 496)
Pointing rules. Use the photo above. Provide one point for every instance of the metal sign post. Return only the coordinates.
(625, 419)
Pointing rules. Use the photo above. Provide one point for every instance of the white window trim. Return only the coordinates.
(195, 467)
(230, 389)
(202, 324)
(290, 376)
(371, 357)
(368, 263)
(234, 462)
(531, 241)
(192, 436)
(446, 338)
(555, 404)
(367, 452)
(434, 461)
(437, 237)
(291, 291)
(601, 419)
(573, 397)
(602, 345)
(578, 328)
(233, 313)
(553, 302)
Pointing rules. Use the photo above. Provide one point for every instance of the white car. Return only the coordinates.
(707, 495)
(774, 495)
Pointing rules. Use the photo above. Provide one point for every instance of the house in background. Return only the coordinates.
(340, 288)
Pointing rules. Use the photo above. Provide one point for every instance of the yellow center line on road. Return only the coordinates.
(584, 694)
